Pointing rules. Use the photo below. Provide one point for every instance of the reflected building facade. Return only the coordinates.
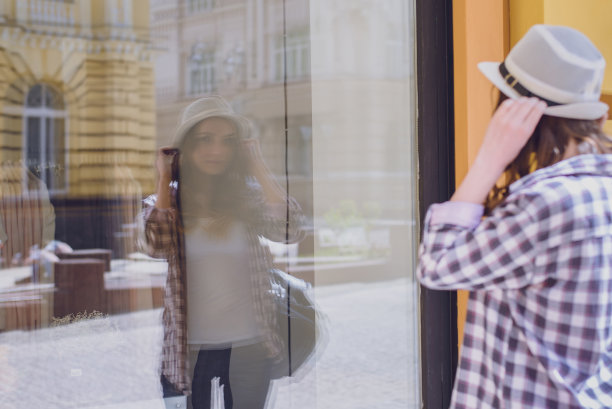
(77, 110)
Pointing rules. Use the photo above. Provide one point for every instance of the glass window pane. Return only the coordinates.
(35, 95)
(56, 154)
(34, 145)
(52, 98)
(49, 144)
(267, 251)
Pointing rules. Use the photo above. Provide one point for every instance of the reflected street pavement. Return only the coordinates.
(112, 362)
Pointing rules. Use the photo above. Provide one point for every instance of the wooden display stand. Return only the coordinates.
(79, 286)
(102, 254)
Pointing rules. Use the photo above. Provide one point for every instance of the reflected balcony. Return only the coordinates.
(47, 12)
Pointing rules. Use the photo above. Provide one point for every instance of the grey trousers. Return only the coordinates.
(244, 372)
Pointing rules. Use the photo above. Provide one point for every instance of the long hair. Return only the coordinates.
(547, 146)
(227, 191)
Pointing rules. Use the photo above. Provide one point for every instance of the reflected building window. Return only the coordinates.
(45, 136)
(297, 52)
(119, 12)
(234, 65)
(201, 66)
(200, 5)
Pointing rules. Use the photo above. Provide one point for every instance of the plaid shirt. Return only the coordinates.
(164, 238)
(538, 331)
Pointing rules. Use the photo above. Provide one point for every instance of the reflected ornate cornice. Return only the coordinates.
(92, 44)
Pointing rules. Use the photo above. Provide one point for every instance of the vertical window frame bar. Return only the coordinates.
(435, 133)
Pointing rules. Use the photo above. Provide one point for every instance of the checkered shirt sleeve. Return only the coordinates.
(159, 230)
(538, 330)
(495, 253)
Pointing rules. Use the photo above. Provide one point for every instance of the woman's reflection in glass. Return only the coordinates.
(215, 198)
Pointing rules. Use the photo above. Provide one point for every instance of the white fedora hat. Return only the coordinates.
(557, 64)
(208, 107)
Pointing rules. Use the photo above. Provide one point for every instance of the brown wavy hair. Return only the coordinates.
(547, 146)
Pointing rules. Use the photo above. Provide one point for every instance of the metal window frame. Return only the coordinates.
(435, 130)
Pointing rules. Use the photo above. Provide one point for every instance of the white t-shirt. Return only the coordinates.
(219, 298)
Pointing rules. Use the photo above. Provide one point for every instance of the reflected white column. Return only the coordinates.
(260, 40)
(365, 203)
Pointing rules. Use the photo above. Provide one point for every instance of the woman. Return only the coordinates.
(219, 315)
(538, 266)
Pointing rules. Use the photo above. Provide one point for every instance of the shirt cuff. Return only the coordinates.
(463, 214)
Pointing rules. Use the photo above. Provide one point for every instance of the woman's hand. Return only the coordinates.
(258, 168)
(253, 155)
(163, 163)
(509, 130)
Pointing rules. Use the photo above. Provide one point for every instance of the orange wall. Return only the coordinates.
(480, 33)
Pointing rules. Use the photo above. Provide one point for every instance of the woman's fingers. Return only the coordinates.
(519, 109)
(526, 119)
(534, 114)
(253, 150)
(518, 106)
(510, 128)
(520, 118)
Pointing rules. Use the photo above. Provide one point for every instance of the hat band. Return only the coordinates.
(514, 84)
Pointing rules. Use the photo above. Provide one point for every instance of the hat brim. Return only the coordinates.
(243, 126)
(579, 110)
